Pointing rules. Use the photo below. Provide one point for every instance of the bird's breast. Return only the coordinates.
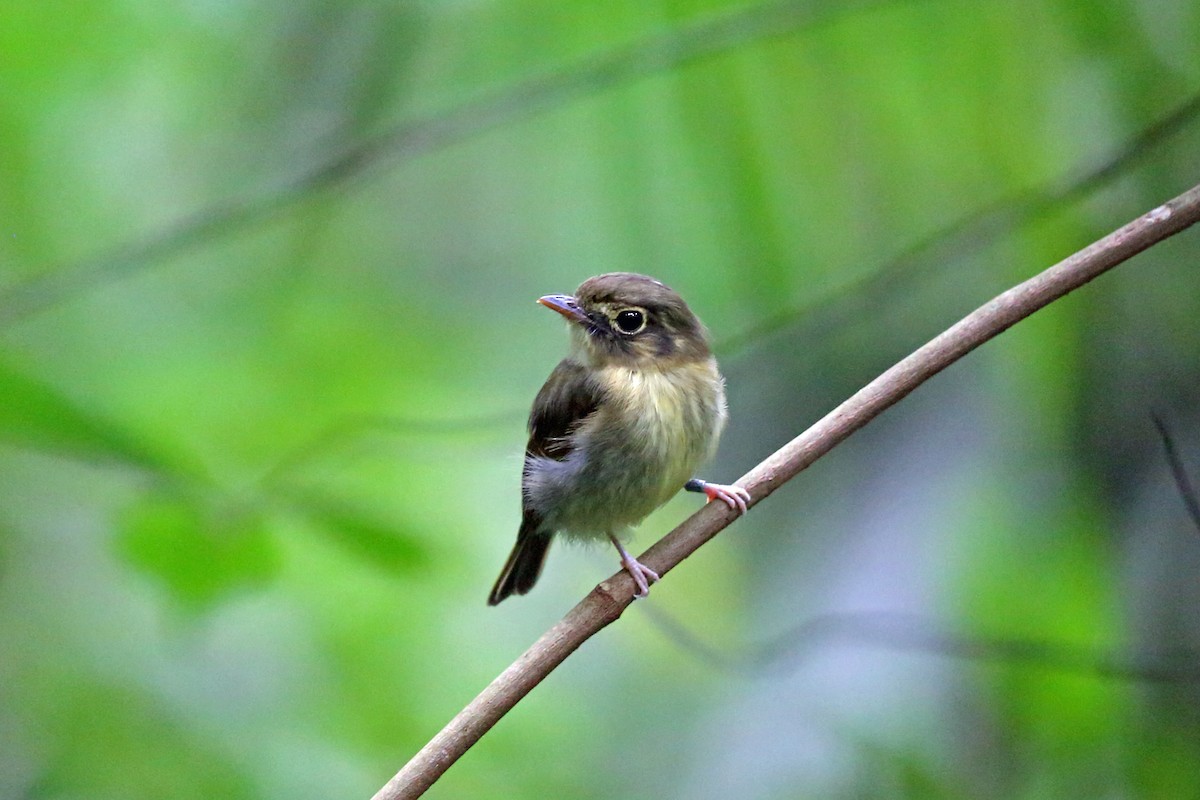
(654, 431)
(674, 414)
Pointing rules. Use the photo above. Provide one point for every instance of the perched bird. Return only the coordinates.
(620, 424)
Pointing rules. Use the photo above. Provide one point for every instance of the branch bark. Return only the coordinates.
(605, 604)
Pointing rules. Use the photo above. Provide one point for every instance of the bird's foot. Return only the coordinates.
(735, 497)
(642, 575)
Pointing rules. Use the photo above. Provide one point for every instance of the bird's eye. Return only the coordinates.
(631, 321)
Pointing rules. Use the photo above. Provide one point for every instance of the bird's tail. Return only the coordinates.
(524, 564)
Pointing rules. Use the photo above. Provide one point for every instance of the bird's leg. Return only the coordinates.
(733, 496)
(642, 575)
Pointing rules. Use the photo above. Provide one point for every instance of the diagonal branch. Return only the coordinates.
(607, 601)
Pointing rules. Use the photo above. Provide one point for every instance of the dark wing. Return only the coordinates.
(567, 398)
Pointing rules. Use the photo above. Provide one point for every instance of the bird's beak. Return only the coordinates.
(564, 304)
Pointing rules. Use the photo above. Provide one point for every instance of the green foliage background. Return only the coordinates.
(267, 338)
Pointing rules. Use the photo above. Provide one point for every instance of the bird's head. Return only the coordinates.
(625, 319)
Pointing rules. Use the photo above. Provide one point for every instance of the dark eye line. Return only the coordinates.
(595, 324)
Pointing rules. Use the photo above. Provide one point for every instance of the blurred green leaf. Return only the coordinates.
(35, 414)
(378, 542)
(199, 554)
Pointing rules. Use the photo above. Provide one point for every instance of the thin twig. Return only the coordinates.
(1188, 492)
(608, 600)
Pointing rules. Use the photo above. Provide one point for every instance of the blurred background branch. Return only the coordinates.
(909, 633)
(968, 234)
(672, 49)
(1187, 491)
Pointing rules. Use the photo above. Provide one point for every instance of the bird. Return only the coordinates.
(619, 427)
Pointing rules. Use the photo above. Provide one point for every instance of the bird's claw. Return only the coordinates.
(735, 497)
(642, 575)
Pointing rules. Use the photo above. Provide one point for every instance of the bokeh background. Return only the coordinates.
(267, 340)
